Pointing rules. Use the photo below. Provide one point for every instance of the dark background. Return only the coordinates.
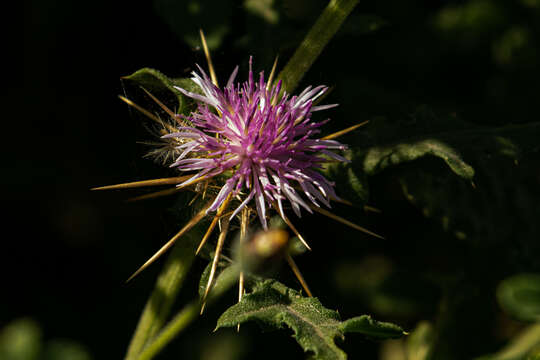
(67, 251)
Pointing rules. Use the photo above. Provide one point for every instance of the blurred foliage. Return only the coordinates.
(22, 339)
(420, 342)
(519, 296)
(524, 346)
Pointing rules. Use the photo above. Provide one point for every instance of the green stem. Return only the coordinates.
(320, 34)
(188, 314)
(169, 332)
(158, 306)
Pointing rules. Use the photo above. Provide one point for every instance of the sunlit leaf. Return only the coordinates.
(378, 158)
(383, 143)
(315, 328)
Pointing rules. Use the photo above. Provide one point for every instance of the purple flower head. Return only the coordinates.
(263, 141)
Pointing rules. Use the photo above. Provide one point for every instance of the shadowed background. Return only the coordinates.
(67, 251)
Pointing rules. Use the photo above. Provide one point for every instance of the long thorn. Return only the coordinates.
(272, 73)
(344, 221)
(142, 110)
(366, 207)
(289, 223)
(165, 192)
(155, 194)
(213, 223)
(344, 131)
(153, 182)
(208, 58)
(219, 247)
(342, 201)
(171, 113)
(171, 242)
(372, 209)
(194, 198)
(298, 274)
(243, 233)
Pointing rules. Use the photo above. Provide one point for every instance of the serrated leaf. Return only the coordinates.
(383, 143)
(381, 157)
(315, 328)
(493, 151)
(375, 329)
(519, 295)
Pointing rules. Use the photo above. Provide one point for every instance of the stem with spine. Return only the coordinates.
(313, 44)
(149, 338)
(188, 314)
(168, 284)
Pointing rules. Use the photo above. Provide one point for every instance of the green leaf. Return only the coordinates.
(519, 295)
(375, 329)
(424, 139)
(162, 87)
(380, 157)
(315, 328)
(384, 143)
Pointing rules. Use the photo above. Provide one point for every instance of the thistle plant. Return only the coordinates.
(249, 150)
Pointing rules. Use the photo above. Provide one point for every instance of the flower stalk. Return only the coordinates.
(187, 315)
(158, 306)
(151, 334)
(313, 44)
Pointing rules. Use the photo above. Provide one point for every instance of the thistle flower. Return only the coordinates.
(254, 143)
(261, 139)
